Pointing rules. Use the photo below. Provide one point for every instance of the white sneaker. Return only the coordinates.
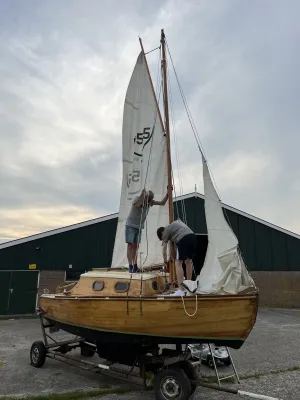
(178, 292)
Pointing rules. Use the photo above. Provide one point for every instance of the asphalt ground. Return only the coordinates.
(268, 363)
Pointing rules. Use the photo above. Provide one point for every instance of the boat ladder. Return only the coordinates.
(214, 365)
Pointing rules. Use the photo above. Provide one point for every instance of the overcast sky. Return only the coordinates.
(64, 70)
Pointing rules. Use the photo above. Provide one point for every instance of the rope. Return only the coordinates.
(199, 144)
(127, 305)
(196, 309)
(193, 126)
(177, 154)
(147, 171)
(184, 215)
(145, 210)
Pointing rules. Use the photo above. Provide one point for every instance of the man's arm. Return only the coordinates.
(140, 200)
(164, 251)
(160, 203)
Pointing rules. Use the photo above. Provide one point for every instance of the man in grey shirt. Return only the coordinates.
(185, 241)
(135, 223)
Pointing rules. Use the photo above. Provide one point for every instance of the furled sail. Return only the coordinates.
(224, 271)
(144, 166)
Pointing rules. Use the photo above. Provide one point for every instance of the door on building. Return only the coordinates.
(18, 292)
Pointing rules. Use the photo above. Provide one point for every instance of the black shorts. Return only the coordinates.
(186, 247)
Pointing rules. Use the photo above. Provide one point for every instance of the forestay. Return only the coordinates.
(224, 271)
(144, 165)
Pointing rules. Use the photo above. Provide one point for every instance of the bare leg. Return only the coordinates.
(131, 253)
(179, 272)
(135, 253)
(189, 269)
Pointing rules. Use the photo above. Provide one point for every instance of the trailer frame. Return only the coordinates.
(171, 373)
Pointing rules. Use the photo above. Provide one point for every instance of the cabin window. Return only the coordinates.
(98, 286)
(121, 287)
(154, 285)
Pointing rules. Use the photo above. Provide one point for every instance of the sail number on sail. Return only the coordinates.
(140, 142)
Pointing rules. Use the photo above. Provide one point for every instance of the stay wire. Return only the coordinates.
(178, 161)
(176, 152)
(196, 135)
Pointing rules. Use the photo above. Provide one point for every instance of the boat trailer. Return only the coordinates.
(171, 374)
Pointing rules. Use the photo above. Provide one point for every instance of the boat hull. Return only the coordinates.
(224, 320)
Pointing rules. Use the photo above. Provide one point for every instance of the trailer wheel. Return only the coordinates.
(191, 373)
(38, 354)
(172, 384)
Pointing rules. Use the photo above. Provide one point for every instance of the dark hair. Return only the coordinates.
(160, 232)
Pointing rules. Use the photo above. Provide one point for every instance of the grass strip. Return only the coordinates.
(77, 395)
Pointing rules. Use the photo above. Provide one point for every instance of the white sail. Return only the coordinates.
(144, 165)
(224, 270)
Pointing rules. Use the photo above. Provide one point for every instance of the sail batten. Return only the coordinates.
(144, 166)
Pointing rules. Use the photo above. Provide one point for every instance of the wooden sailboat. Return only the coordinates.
(115, 307)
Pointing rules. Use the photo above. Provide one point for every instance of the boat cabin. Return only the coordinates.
(117, 282)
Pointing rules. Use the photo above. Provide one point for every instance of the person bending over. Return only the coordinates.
(185, 241)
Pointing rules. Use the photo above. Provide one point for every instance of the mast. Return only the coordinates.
(172, 270)
(166, 128)
(167, 125)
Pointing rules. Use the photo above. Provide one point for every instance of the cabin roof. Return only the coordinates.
(120, 275)
(115, 215)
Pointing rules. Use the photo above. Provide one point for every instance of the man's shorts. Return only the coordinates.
(186, 247)
(132, 235)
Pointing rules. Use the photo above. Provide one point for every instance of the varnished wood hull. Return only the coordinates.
(224, 320)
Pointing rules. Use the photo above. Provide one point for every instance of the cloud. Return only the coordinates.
(64, 73)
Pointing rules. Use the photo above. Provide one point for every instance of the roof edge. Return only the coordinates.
(115, 215)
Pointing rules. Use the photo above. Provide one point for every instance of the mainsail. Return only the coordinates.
(144, 166)
(224, 270)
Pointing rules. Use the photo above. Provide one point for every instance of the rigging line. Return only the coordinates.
(176, 203)
(155, 119)
(148, 52)
(175, 135)
(183, 211)
(179, 178)
(197, 137)
(148, 164)
(158, 81)
(186, 106)
(178, 164)
(172, 173)
(200, 147)
(176, 151)
(194, 129)
(193, 126)
(150, 153)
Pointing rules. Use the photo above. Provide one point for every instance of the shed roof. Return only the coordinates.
(115, 215)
